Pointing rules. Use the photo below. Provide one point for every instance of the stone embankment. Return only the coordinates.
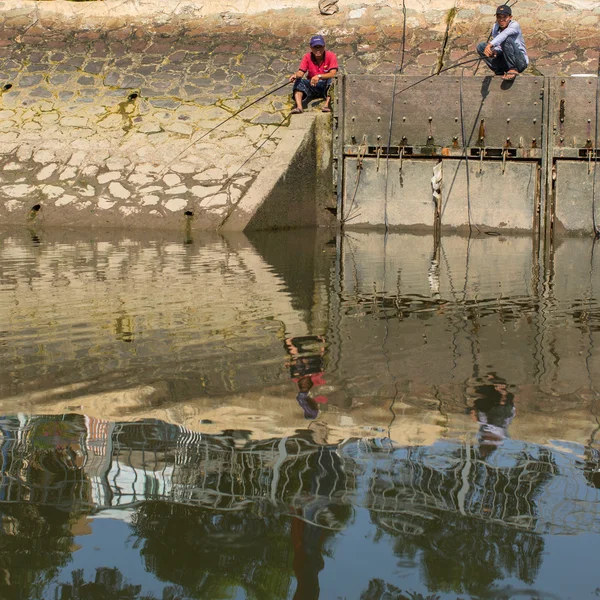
(105, 106)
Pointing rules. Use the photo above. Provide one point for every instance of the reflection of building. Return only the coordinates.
(92, 461)
(98, 445)
(415, 485)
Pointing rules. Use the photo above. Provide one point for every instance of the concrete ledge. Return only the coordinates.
(283, 195)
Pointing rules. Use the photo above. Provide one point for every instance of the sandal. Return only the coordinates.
(296, 111)
(326, 109)
(510, 75)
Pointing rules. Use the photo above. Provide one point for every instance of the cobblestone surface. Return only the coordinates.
(106, 121)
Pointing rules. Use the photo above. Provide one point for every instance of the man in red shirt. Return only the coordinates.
(320, 66)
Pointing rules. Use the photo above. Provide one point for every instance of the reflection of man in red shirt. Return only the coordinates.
(306, 370)
(320, 66)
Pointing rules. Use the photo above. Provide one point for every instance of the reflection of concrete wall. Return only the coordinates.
(571, 314)
(423, 327)
(418, 302)
(132, 310)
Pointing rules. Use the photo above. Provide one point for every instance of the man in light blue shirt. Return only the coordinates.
(505, 53)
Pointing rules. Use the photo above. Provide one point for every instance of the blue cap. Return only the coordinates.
(317, 40)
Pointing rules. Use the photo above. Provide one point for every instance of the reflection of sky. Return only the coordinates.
(358, 558)
(568, 578)
(111, 544)
(362, 553)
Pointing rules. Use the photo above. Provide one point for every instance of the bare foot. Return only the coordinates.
(510, 75)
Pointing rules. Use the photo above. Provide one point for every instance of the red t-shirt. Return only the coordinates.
(308, 64)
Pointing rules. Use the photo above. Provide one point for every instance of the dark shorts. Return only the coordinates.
(312, 91)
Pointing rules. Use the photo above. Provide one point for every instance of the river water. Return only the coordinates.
(298, 415)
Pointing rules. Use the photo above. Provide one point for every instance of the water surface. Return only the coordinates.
(297, 415)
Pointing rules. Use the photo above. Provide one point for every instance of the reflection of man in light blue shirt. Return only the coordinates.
(505, 53)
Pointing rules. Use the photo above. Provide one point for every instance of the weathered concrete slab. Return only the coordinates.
(573, 114)
(409, 195)
(127, 160)
(500, 196)
(428, 116)
(573, 148)
(573, 206)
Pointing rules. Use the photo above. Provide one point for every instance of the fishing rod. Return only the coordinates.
(235, 114)
(460, 64)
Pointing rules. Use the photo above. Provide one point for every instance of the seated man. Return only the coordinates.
(505, 53)
(321, 67)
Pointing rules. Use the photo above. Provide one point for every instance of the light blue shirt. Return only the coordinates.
(512, 30)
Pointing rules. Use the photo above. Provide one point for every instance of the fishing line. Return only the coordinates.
(235, 114)
(465, 152)
(389, 142)
(595, 150)
(460, 64)
(228, 181)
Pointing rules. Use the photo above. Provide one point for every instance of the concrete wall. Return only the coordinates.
(292, 190)
(462, 152)
(72, 142)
